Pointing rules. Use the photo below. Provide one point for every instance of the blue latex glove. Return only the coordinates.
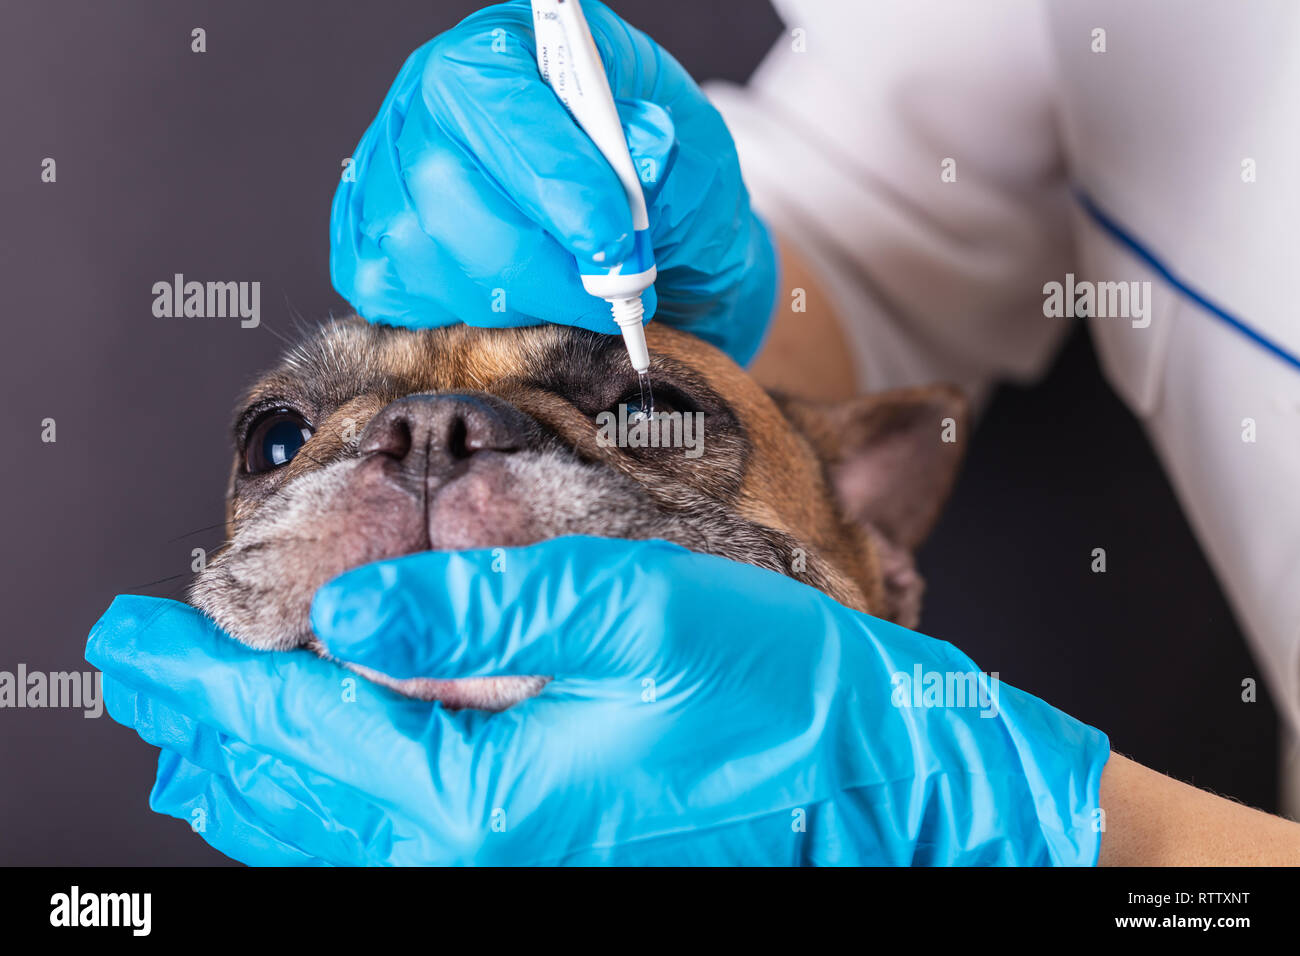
(475, 190)
(703, 712)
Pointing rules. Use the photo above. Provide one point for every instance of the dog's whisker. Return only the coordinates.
(190, 534)
(278, 334)
(171, 577)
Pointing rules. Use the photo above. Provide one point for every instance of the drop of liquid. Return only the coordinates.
(647, 394)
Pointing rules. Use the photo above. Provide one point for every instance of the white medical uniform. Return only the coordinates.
(843, 133)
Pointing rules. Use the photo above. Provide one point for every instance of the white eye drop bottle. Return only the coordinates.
(568, 60)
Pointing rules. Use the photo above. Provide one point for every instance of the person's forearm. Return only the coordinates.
(1154, 820)
(806, 354)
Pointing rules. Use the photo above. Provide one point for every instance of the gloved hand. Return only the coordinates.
(702, 712)
(474, 190)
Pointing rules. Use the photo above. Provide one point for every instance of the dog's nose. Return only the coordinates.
(445, 428)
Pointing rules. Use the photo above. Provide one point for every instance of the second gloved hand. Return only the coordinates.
(702, 712)
(472, 192)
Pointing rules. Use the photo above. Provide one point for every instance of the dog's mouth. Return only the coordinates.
(470, 503)
(479, 693)
(374, 510)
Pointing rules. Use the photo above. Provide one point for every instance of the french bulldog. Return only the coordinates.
(369, 442)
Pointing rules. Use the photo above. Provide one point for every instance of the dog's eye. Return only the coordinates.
(274, 439)
(635, 407)
(666, 400)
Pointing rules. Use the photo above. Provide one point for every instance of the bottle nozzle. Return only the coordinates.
(627, 315)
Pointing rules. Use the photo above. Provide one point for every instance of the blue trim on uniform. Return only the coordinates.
(1126, 239)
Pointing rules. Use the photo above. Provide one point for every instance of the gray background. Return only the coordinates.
(222, 166)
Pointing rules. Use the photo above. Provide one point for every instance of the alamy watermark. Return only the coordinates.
(923, 688)
(208, 300)
(130, 910)
(75, 690)
(637, 429)
(1104, 300)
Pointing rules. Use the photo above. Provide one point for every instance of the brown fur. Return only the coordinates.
(835, 495)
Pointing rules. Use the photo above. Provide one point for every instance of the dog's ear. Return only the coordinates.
(891, 459)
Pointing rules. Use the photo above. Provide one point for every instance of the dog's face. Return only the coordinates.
(370, 442)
